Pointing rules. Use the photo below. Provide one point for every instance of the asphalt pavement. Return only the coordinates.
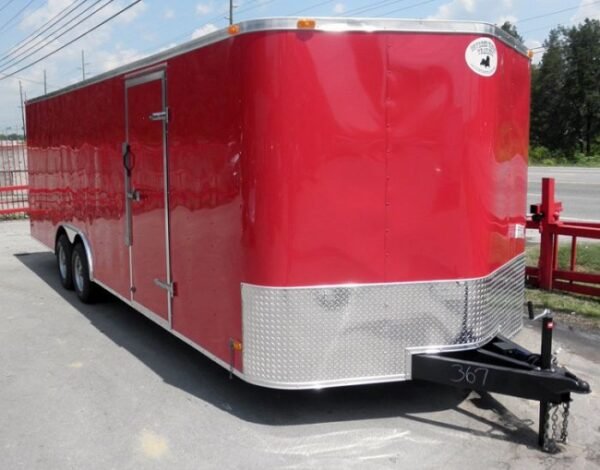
(577, 188)
(100, 386)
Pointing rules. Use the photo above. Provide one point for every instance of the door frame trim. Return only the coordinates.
(129, 83)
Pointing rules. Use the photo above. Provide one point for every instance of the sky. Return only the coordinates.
(151, 26)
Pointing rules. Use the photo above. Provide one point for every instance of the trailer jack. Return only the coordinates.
(502, 366)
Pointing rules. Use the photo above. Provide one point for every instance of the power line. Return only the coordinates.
(12, 62)
(43, 42)
(260, 5)
(73, 40)
(553, 25)
(6, 4)
(41, 29)
(370, 6)
(3, 27)
(311, 7)
(550, 14)
(208, 21)
(408, 7)
(556, 12)
(37, 82)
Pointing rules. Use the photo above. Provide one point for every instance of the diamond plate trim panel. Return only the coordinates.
(307, 337)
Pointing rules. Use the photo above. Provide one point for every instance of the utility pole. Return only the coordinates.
(22, 109)
(83, 64)
(45, 85)
(230, 12)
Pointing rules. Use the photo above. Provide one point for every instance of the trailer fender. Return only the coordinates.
(76, 235)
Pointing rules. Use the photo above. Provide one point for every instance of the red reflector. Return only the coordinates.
(550, 325)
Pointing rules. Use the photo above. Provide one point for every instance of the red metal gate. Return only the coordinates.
(13, 179)
(546, 218)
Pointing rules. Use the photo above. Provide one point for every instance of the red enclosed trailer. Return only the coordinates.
(308, 203)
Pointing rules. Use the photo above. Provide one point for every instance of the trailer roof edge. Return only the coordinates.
(325, 24)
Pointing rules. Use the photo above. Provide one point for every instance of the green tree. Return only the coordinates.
(582, 83)
(12, 136)
(549, 126)
(512, 30)
(565, 92)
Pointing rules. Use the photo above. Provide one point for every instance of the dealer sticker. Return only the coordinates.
(482, 57)
(516, 231)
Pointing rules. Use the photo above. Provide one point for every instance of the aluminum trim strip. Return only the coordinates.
(315, 337)
(320, 385)
(324, 24)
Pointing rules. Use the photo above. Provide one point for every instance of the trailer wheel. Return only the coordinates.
(63, 251)
(84, 287)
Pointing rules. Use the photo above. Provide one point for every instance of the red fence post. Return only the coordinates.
(550, 212)
(548, 276)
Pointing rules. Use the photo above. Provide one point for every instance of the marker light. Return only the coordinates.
(233, 29)
(530, 54)
(306, 23)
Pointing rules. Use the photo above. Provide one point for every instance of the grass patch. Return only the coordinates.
(588, 260)
(564, 302)
(588, 256)
(542, 156)
(18, 216)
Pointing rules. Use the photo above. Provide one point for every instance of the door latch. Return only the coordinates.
(168, 286)
(134, 195)
(160, 116)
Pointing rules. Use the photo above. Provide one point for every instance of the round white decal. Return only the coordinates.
(482, 57)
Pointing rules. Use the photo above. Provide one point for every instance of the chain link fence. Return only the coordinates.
(13, 180)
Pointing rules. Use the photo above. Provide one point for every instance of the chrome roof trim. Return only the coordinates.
(367, 25)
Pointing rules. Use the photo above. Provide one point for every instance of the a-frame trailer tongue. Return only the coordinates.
(502, 366)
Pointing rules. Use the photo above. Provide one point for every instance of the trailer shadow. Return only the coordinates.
(181, 366)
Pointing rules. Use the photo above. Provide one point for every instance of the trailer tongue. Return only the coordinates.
(502, 366)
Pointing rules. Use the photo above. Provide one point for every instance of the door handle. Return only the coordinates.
(134, 195)
(126, 152)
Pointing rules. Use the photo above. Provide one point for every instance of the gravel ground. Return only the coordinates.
(101, 386)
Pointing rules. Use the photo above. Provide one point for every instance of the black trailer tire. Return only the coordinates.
(63, 251)
(85, 289)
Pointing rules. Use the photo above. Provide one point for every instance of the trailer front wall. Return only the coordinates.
(381, 158)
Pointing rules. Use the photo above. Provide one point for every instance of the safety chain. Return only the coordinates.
(564, 433)
(553, 434)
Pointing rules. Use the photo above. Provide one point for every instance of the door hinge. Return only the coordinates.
(170, 287)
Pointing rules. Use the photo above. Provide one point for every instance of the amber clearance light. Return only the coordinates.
(233, 29)
(306, 23)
